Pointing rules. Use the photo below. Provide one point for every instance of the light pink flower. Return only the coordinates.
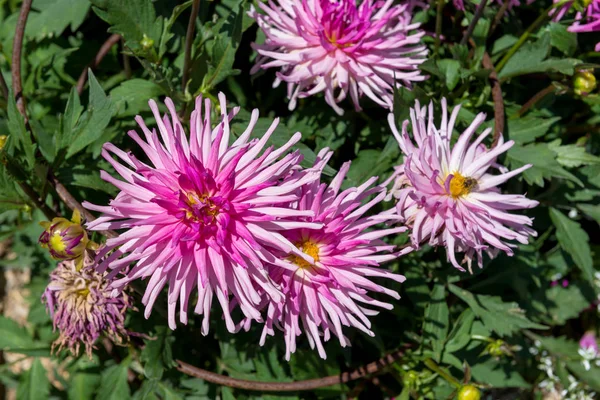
(203, 215)
(587, 20)
(330, 290)
(447, 193)
(588, 341)
(338, 47)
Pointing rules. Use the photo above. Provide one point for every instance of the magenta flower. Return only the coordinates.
(588, 342)
(330, 289)
(203, 214)
(83, 306)
(448, 195)
(586, 20)
(339, 47)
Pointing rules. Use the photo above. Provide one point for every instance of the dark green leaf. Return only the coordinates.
(574, 241)
(83, 385)
(113, 384)
(157, 355)
(21, 138)
(435, 325)
(34, 384)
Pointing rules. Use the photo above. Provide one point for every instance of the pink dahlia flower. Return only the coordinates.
(330, 289)
(83, 306)
(339, 47)
(587, 20)
(203, 214)
(447, 193)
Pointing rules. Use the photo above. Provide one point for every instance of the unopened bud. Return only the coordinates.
(469, 392)
(146, 42)
(584, 82)
(64, 239)
(3, 139)
(411, 379)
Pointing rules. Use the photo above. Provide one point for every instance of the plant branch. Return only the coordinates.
(541, 19)
(308, 384)
(39, 203)
(3, 86)
(536, 97)
(189, 40)
(476, 17)
(497, 97)
(499, 16)
(16, 57)
(104, 49)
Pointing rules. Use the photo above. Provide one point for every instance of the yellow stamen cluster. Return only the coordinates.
(460, 185)
(307, 247)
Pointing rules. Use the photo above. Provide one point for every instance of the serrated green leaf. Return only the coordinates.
(436, 322)
(527, 58)
(575, 241)
(451, 71)
(157, 354)
(34, 384)
(54, 16)
(94, 120)
(21, 138)
(131, 97)
(83, 385)
(525, 130)
(544, 163)
(562, 39)
(572, 155)
(503, 318)
(113, 383)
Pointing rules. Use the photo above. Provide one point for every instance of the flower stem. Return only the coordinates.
(534, 26)
(438, 25)
(443, 373)
(189, 39)
(473, 24)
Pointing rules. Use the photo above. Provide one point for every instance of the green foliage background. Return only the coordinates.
(443, 314)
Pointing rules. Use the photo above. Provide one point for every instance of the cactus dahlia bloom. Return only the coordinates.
(447, 193)
(83, 306)
(202, 214)
(330, 290)
(340, 48)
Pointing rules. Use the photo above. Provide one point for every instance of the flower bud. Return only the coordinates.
(3, 139)
(584, 82)
(469, 392)
(146, 42)
(66, 240)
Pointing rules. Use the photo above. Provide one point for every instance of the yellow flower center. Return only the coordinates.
(57, 244)
(460, 185)
(307, 247)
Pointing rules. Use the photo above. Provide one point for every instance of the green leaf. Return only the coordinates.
(113, 383)
(451, 70)
(13, 336)
(572, 155)
(544, 163)
(503, 318)
(82, 386)
(575, 241)
(70, 118)
(498, 373)
(55, 16)
(435, 325)
(561, 38)
(591, 210)
(527, 58)
(167, 34)
(16, 127)
(34, 384)
(557, 304)
(133, 19)
(157, 355)
(525, 130)
(460, 335)
(131, 97)
(94, 120)
(222, 52)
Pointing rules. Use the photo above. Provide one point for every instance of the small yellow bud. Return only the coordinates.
(469, 392)
(584, 82)
(3, 139)
(146, 42)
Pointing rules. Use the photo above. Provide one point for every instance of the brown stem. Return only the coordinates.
(476, 17)
(104, 49)
(3, 86)
(536, 97)
(189, 40)
(126, 62)
(39, 203)
(497, 97)
(73, 204)
(16, 57)
(308, 384)
(499, 16)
